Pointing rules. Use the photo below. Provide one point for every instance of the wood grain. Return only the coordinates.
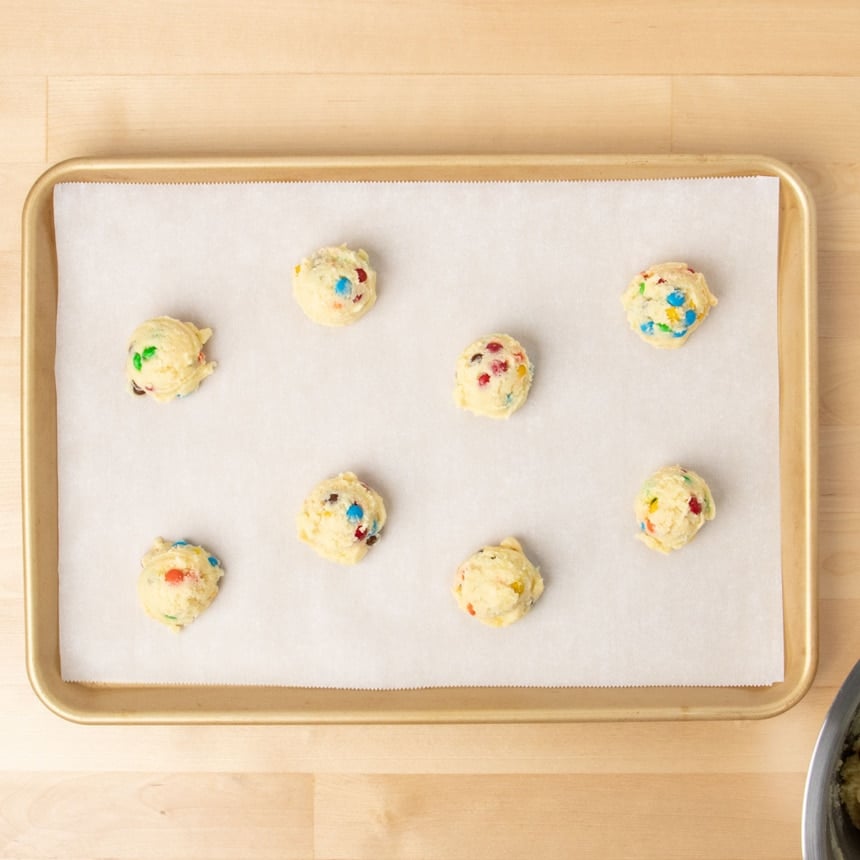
(449, 37)
(329, 114)
(406, 817)
(173, 816)
(781, 77)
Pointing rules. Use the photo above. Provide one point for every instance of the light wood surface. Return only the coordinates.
(118, 78)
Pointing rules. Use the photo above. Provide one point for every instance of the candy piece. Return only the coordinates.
(326, 285)
(498, 585)
(166, 360)
(667, 304)
(177, 582)
(484, 384)
(674, 503)
(341, 518)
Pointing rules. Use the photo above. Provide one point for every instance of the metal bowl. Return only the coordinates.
(827, 832)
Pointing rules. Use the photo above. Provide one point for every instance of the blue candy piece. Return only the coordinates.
(354, 512)
(647, 327)
(676, 298)
(679, 333)
(374, 528)
(690, 317)
(642, 527)
(213, 561)
(343, 286)
(180, 543)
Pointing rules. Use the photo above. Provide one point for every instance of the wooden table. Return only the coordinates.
(118, 78)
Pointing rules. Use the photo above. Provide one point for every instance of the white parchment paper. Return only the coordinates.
(292, 403)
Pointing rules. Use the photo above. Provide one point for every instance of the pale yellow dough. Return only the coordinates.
(178, 581)
(165, 359)
(673, 504)
(493, 376)
(336, 286)
(498, 584)
(667, 303)
(341, 518)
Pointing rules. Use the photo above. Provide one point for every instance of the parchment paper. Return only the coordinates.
(292, 403)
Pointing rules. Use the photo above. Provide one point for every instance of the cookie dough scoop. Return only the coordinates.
(497, 585)
(336, 286)
(177, 582)
(493, 376)
(667, 303)
(341, 518)
(671, 507)
(166, 359)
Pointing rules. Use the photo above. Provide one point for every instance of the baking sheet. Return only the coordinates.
(292, 403)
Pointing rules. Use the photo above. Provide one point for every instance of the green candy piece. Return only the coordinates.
(137, 361)
(171, 617)
(663, 327)
(148, 353)
(641, 288)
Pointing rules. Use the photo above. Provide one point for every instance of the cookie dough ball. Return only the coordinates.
(673, 504)
(493, 376)
(667, 303)
(336, 286)
(166, 360)
(178, 581)
(498, 584)
(341, 518)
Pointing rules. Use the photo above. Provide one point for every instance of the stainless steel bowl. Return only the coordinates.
(827, 832)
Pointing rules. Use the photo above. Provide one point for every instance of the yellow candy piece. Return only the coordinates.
(522, 370)
(517, 586)
(297, 269)
(672, 314)
(652, 506)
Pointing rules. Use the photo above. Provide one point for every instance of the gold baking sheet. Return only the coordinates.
(230, 704)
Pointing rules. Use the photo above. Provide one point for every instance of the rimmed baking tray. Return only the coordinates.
(137, 703)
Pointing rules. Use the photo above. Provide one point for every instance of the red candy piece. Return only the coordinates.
(691, 271)
(174, 576)
(661, 280)
(470, 609)
(492, 346)
(695, 505)
(357, 298)
(360, 533)
(362, 275)
(483, 379)
(499, 367)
